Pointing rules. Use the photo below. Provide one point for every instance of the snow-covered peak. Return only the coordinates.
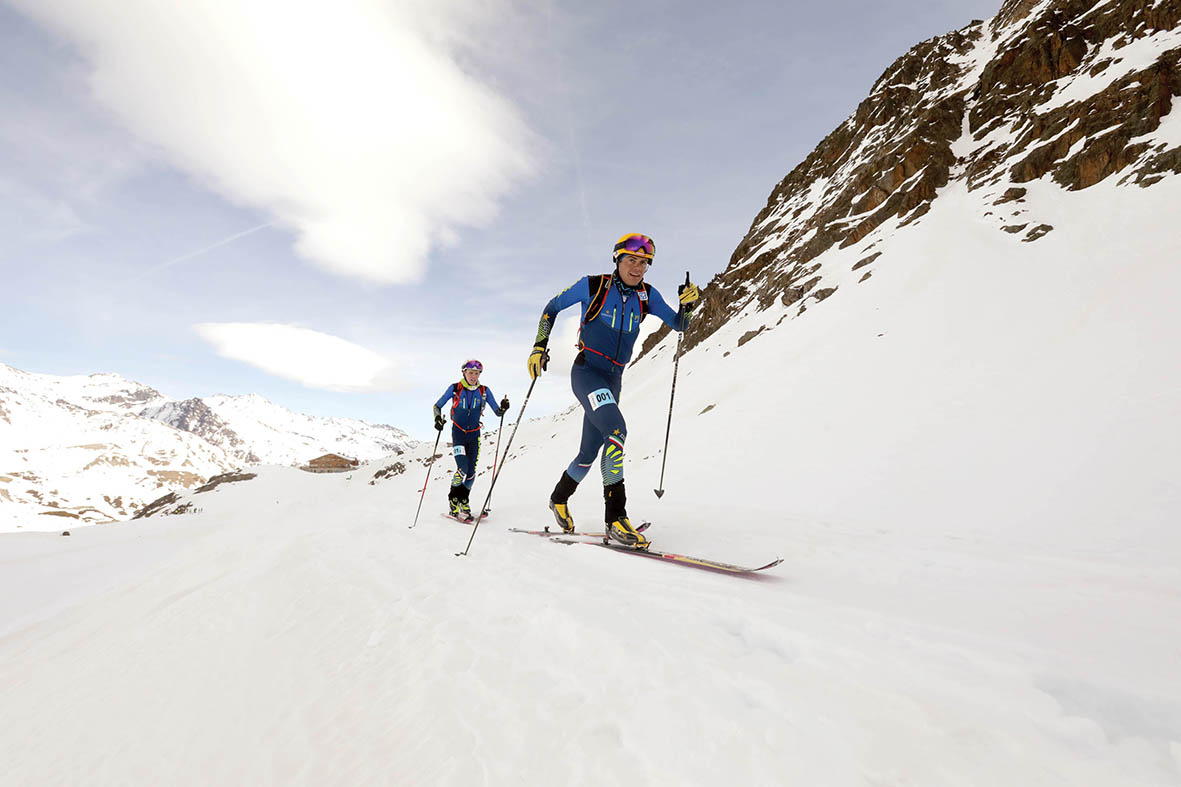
(195, 416)
(71, 451)
(280, 436)
(104, 392)
(96, 447)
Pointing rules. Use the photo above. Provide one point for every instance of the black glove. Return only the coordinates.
(504, 405)
(439, 421)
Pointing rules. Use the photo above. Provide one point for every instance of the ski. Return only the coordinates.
(686, 560)
(457, 519)
(640, 528)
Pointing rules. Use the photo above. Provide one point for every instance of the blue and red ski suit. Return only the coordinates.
(606, 344)
(467, 405)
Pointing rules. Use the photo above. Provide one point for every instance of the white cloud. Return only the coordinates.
(352, 124)
(318, 360)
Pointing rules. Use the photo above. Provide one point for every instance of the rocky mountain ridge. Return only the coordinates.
(196, 417)
(1073, 91)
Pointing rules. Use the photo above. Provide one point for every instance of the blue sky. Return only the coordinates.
(335, 207)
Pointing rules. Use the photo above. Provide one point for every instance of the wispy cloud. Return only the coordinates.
(352, 124)
(315, 359)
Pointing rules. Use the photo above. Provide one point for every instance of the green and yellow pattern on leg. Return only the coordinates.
(612, 461)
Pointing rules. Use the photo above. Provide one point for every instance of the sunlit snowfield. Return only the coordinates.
(968, 463)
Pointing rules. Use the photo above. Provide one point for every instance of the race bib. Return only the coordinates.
(458, 451)
(600, 397)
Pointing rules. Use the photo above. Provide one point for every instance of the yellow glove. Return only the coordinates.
(688, 294)
(538, 361)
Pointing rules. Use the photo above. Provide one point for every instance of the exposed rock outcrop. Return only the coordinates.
(1070, 89)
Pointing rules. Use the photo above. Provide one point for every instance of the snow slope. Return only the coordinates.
(967, 462)
(72, 450)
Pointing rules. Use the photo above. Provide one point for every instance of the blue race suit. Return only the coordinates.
(597, 375)
(467, 405)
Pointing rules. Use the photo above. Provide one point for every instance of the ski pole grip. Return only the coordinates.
(681, 288)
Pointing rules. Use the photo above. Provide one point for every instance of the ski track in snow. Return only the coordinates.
(317, 639)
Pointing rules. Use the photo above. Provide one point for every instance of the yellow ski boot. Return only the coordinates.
(562, 515)
(621, 530)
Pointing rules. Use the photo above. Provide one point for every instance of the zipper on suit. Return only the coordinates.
(619, 342)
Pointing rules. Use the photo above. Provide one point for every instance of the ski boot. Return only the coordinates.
(453, 508)
(619, 527)
(465, 510)
(621, 530)
(558, 502)
(562, 515)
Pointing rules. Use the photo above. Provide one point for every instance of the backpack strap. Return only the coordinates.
(598, 299)
(604, 289)
(596, 303)
(456, 392)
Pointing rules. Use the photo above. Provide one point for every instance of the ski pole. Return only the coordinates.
(496, 475)
(428, 478)
(676, 363)
(496, 455)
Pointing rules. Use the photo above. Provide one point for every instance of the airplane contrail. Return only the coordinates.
(577, 159)
(198, 252)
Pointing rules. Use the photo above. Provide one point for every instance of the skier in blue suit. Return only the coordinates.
(613, 306)
(467, 399)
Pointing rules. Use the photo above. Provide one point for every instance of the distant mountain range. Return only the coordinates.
(97, 447)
